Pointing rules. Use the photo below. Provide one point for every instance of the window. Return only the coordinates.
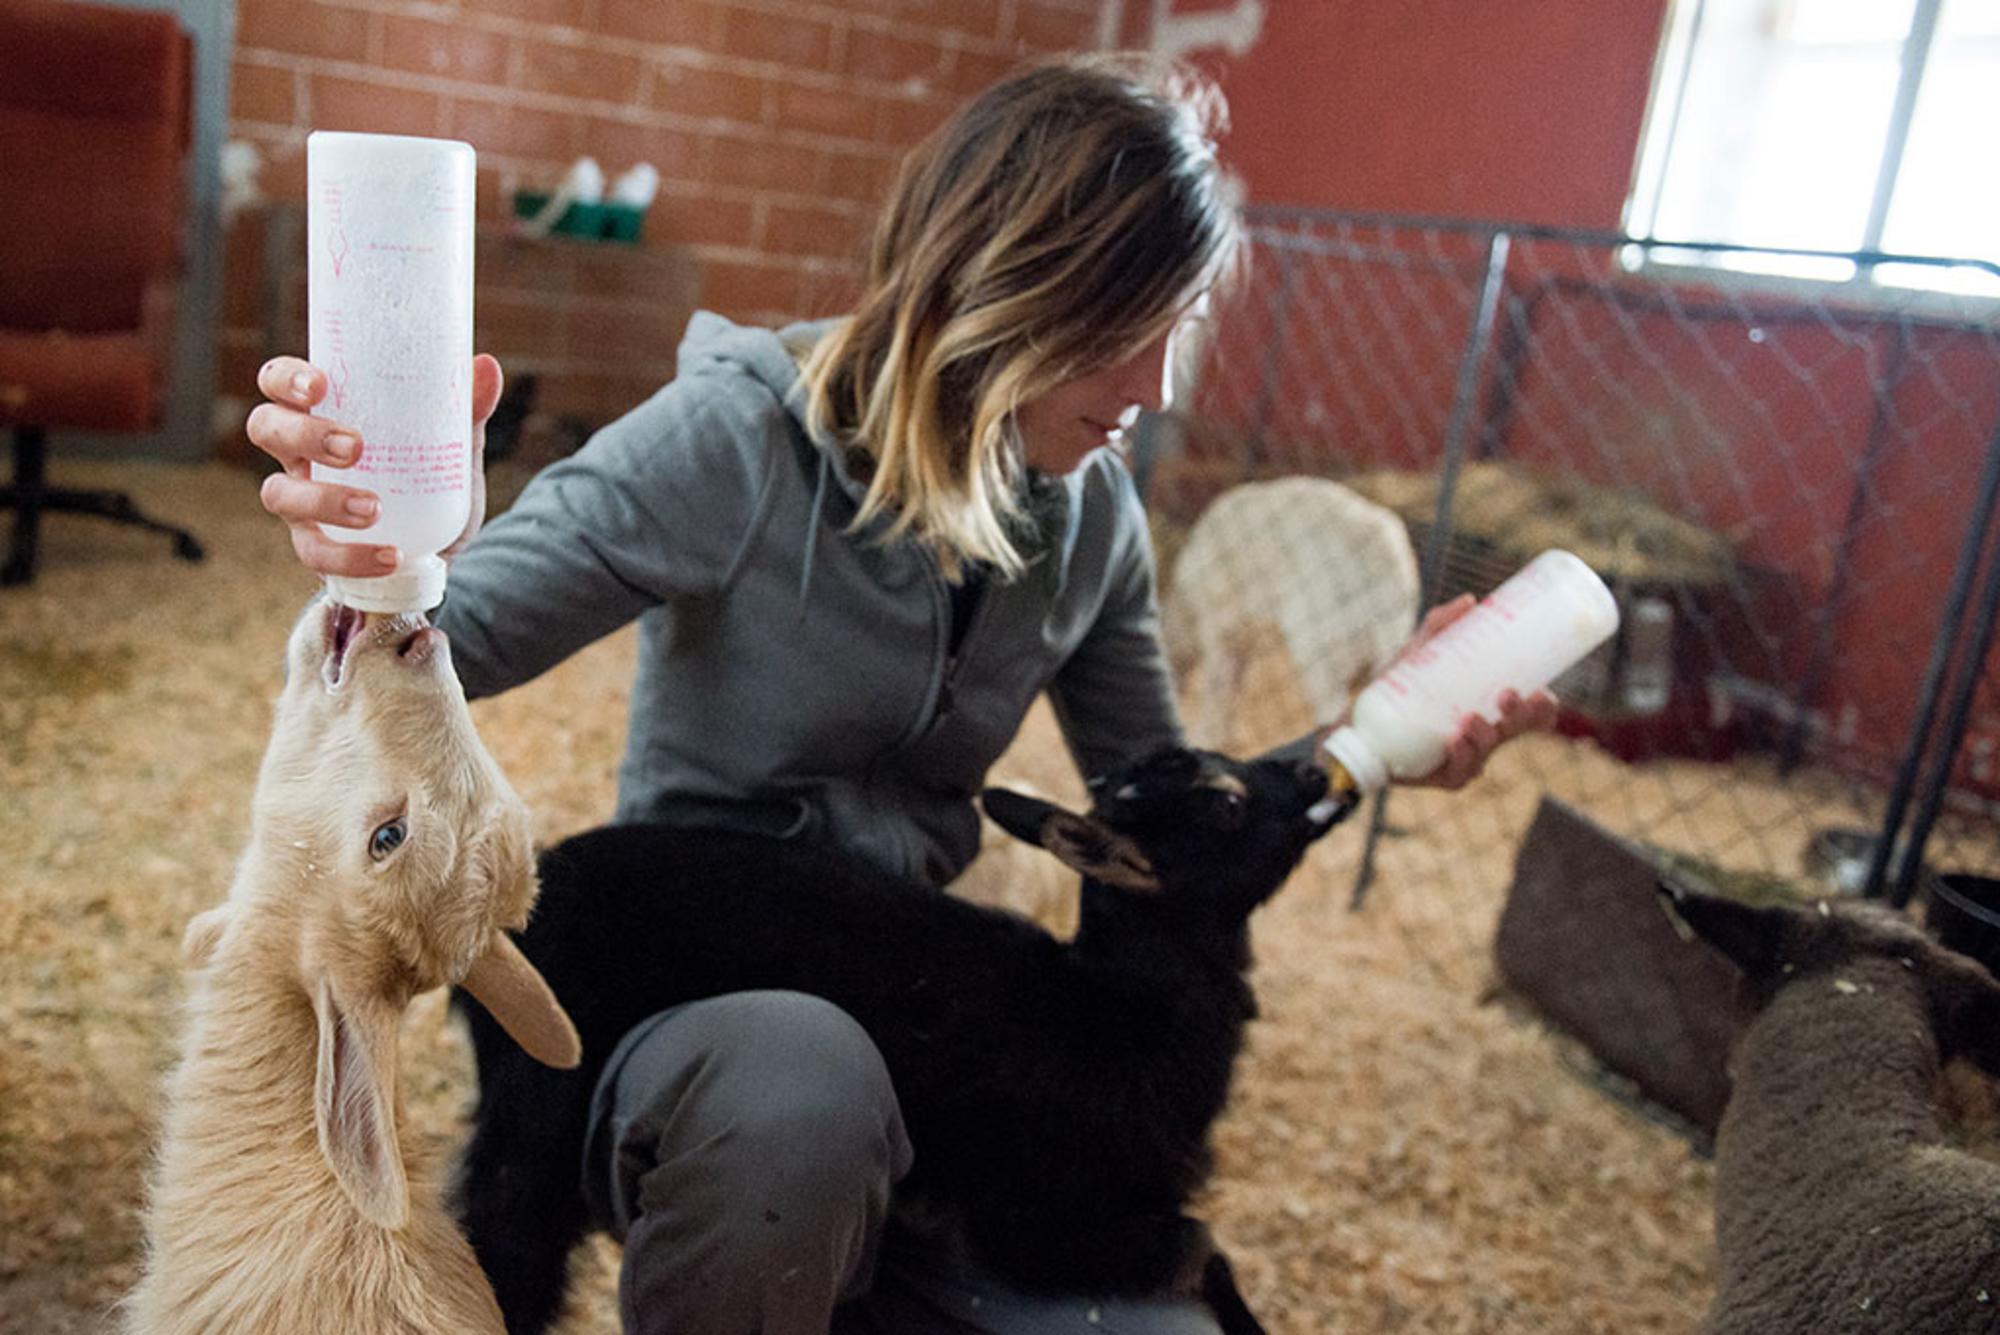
(1848, 125)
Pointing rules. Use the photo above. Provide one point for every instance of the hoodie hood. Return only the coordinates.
(772, 358)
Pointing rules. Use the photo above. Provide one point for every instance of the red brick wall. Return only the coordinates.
(775, 125)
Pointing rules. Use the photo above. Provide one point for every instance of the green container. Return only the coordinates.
(622, 222)
(584, 220)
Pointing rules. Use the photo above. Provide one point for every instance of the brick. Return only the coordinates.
(491, 199)
(784, 40)
(808, 229)
(555, 13)
(973, 72)
(354, 104)
(647, 275)
(302, 28)
(699, 218)
(569, 70)
(975, 18)
(283, 175)
(611, 331)
(261, 93)
(456, 51)
(1047, 27)
(712, 94)
(825, 292)
(497, 127)
(863, 179)
(906, 120)
(844, 113)
(891, 58)
(736, 287)
(667, 22)
(617, 145)
(761, 164)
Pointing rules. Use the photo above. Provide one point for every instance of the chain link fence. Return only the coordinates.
(1788, 486)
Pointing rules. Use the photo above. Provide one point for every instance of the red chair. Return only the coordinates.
(95, 108)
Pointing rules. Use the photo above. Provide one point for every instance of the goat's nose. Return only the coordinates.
(421, 644)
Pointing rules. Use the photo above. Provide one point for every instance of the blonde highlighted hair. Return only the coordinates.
(1058, 223)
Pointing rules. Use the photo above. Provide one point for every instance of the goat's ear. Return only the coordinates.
(1082, 843)
(203, 935)
(514, 992)
(1748, 935)
(1972, 1015)
(501, 860)
(354, 1103)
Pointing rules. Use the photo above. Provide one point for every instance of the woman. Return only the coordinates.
(857, 551)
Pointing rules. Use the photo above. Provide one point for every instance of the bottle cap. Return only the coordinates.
(1347, 746)
(417, 586)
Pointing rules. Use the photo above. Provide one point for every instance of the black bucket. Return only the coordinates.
(1964, 911)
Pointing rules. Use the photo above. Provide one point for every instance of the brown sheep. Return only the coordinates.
(1839, 1205)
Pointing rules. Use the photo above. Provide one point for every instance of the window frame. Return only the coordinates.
(1672, 69)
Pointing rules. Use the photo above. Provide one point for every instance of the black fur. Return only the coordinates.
(1058, 1095)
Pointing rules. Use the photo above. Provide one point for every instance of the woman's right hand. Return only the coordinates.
(285, 428)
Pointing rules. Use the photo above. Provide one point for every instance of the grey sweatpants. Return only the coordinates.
(743, 1150)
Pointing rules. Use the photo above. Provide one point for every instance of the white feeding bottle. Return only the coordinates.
(389, 222)
(1520, 637)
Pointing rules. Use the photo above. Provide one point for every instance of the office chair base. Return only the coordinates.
(29, 498)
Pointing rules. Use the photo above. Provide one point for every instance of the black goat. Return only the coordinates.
(1058, 1094)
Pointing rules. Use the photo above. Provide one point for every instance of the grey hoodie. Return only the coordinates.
(793, 676)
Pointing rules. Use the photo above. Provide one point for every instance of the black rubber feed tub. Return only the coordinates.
(1964, 911)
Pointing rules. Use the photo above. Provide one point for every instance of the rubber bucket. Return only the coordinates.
(1964, 912)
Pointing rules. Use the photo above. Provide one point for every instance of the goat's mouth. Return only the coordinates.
(344, 627)
(349, 630)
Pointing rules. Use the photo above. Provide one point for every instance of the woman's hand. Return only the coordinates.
(285, 429)
(1465, 756)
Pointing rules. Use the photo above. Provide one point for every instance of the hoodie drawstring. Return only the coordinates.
(812, 529)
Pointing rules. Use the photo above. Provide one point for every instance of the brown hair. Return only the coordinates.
(1059, 222)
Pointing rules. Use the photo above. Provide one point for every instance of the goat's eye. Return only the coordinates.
(1228, 811)
(388, 837)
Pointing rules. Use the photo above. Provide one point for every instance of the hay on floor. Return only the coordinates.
(1402, 1153)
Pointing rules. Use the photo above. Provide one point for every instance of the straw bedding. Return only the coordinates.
(1403, 1153)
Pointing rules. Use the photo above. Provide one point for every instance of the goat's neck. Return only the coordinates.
(246, 1080)
(1113, 927)
(1841, 1064)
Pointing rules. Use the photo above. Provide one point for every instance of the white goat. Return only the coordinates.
(1331, 573)
(386, 854)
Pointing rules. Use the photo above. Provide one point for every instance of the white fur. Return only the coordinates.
(1331, 573)
(282, 1200)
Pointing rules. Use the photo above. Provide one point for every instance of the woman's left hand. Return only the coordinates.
(1465, 756)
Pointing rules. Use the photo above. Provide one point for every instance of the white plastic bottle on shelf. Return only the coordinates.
(389, 231)
(1520, 637)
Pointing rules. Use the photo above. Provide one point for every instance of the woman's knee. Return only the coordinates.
(783, 1064)
(750, 1145)
(776, 1090)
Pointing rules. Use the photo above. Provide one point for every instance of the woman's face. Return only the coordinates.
(1059, 427)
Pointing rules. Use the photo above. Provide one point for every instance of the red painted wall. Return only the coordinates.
(1753, 423)
(1522, 111)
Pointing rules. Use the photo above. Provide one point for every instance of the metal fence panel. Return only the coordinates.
(1789, 490)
